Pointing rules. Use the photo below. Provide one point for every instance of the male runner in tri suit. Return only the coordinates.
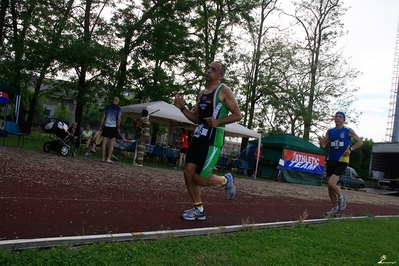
(339, 138)
(211, 113)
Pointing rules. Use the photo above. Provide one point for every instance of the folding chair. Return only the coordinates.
(157, 152)
(130, 151)
(235, 165)
(245, 166)
(171, 155)
(222, 163)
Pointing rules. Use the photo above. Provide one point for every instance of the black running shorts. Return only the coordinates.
(110, 132)
(336, 168)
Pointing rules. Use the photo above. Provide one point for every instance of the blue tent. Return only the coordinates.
(11, 90)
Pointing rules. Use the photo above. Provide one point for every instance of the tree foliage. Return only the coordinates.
(323, 74)
(287, 74)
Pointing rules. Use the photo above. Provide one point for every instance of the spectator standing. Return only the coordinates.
(142, 135)
(183, 140)
(111, 119)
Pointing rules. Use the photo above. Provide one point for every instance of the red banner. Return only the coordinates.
(303, 161)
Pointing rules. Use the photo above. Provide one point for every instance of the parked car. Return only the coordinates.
(349, 178)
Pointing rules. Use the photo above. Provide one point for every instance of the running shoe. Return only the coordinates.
(87, 154)
(342, 203)
(137, 164)
(93, 150)
(333, 212)
(194, 214)
(229, 186)
(189, 210)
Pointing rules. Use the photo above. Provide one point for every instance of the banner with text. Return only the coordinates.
(3, 97)
(303, 161)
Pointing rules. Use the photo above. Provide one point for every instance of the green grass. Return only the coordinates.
(347, 242)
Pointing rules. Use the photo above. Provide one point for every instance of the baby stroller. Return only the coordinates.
(60, 129)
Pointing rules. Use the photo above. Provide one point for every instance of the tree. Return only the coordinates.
(62, 112)
(128, 27)
(360, 159)
(44, 46)
(3, 11)
(256, 68)
(88, 51)
(213, 28)
(324, 75)
(15, 30)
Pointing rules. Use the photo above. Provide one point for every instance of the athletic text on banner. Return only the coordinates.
(303, 161)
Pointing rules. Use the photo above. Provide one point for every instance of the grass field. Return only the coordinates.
(349, 242)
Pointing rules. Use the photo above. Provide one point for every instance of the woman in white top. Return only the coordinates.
(87, 136)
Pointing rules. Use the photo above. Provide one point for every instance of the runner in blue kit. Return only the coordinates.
(216, 106)
(339, 140)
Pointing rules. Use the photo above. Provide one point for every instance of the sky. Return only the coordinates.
(370, 48)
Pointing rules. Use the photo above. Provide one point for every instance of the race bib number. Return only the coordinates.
(337, 144)
(201, 131)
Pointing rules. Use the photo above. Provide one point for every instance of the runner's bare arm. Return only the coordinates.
(359, 141)
(191, 115)
(101, 123)
(324, 140)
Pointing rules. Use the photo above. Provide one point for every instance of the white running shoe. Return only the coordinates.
(194, 214)
(333, 212)
(229, 186)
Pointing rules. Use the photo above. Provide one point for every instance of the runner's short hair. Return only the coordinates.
(223, 72)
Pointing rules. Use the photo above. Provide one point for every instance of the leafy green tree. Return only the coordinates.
(257, 69)
(3, 11)
(62, 112)
(360, 159)
(88, 55)
(323, 75)
(16, 21)
(43, 47)
(91, 115)
(213, 27)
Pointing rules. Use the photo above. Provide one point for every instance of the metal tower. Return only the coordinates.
(392, 132)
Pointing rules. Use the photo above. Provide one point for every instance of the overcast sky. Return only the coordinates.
(370, 47)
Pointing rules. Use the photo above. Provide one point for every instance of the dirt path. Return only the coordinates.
(47, 195)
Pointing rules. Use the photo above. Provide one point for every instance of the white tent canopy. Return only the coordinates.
(236, 130)
(159, 112)
(166, 114)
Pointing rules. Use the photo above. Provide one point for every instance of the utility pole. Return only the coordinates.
(392, 131)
